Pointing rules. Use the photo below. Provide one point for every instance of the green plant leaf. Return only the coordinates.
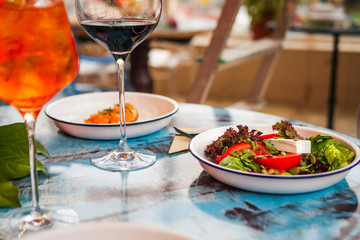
(8, 194)
(41, 149)
(14, 152)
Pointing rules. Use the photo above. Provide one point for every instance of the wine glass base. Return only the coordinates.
(15, 223)
(125, 161)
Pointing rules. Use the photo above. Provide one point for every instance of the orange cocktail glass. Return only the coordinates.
(38, 58)
(37, 53)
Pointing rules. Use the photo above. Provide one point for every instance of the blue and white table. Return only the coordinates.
(177, 194)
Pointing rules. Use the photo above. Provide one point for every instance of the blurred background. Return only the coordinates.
(167, 62)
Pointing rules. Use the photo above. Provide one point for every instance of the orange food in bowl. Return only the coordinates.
(112, 115)
(131, 113)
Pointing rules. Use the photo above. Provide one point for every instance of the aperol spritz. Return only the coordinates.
(38, 58)
(37, 53)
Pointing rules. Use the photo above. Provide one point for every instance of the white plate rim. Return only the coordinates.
(176, 108)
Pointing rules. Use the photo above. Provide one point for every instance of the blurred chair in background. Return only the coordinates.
(171, 63)
(217, 56)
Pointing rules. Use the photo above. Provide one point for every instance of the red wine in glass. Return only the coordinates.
(119, 36)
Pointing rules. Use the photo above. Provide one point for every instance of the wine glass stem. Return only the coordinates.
(123, 145)
(30, 125)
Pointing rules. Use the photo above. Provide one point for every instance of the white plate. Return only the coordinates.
(69, 113)
(108, 231)
(269, 183)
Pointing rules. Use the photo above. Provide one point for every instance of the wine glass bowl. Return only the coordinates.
(119, 26)
(38, 58)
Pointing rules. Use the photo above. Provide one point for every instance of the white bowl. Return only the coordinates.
(270, 183)
(68, 114)
(109, 231)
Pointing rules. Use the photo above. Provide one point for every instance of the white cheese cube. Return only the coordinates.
(291, 146)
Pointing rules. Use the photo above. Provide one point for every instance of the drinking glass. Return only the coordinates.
(38, 58)
(119, 26)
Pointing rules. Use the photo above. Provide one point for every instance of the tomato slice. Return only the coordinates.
(268, 136)
(219, 158)
(281, 162)
(234, 148)
(262, 150)
(278, 162)
(238, 147)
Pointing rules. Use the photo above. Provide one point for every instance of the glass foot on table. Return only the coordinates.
(17, 222)
(135, 160)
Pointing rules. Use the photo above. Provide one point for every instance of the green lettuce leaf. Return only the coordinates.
(8, 194)
(233, 163)
(240, 163)
(331, 151)
(335, 157)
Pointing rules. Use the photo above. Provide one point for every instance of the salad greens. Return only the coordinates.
(327, 154)
(230, 138)
(309, 165)
(243, 163)
(286, 130)
(270, 147)
(331, 152)
(14, 161)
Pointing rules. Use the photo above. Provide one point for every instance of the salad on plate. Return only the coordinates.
(283, 152)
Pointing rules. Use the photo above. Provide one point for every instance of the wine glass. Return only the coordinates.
(38, 58)
(119, 26)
